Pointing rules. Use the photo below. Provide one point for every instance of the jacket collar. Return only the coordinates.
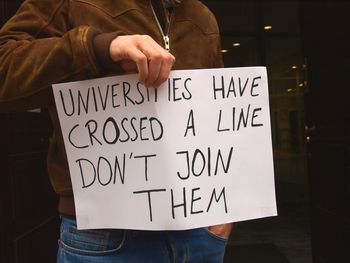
(172, 3)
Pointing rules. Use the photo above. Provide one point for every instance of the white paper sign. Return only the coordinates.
(194, 152)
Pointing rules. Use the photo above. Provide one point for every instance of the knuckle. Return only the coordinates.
(138, 39)
(146, 37)
(157, 56)
(141, 59)
(133, 37)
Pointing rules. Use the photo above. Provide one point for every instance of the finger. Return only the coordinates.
(154, 67)
(159, 65)
(141, 62)
(166, 67)
(125, 48)
(155, 54)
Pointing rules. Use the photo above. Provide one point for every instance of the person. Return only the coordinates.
(53, 41)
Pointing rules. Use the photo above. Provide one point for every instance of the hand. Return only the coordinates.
(142, 54)
(221, 230)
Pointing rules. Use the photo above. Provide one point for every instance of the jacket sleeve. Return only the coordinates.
(37, 49)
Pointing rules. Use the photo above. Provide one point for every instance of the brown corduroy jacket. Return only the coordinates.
(53, 41)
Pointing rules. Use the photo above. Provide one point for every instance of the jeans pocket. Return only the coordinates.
(91, 242)
(214, 236)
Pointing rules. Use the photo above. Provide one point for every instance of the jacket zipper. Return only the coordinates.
(166, 38)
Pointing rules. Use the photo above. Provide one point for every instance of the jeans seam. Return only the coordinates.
(171, 250)
(187, 254)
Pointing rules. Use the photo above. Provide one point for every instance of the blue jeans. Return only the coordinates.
(130, 246)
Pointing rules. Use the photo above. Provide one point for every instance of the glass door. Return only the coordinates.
(267, 33)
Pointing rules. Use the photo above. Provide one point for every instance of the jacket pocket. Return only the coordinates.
(91, 242)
